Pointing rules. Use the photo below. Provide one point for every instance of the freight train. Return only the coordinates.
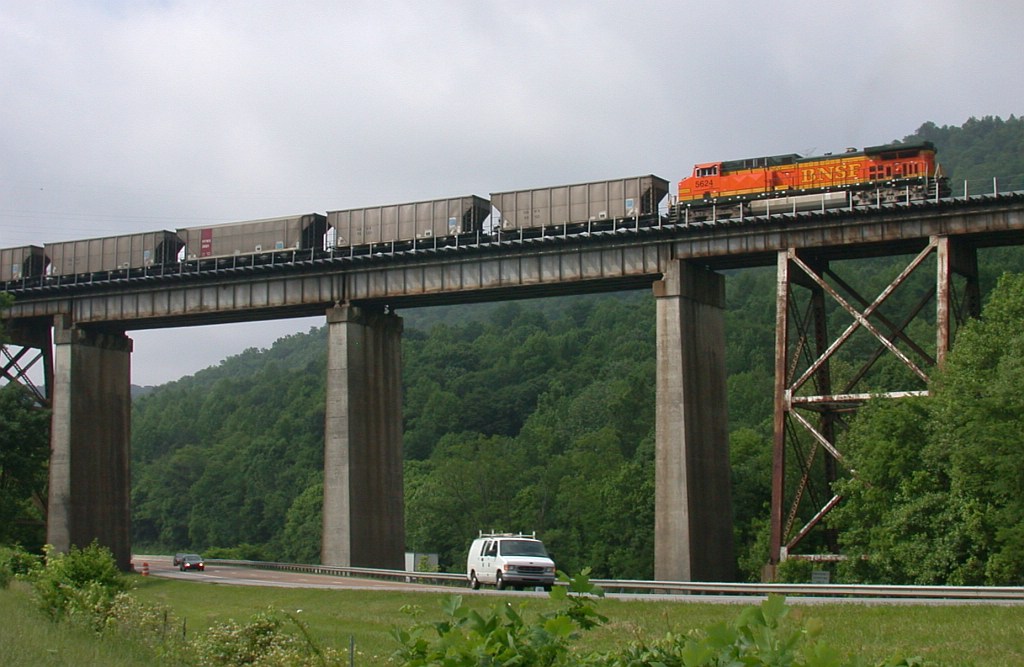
(714, 191)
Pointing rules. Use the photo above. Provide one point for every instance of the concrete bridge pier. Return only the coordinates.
(693, 538)
(363, 510)
(90, 440)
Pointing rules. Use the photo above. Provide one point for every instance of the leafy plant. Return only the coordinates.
(15, 561)
(761, 635)
(794, 570)
(262, 642)
(502, 636)
(80, 582)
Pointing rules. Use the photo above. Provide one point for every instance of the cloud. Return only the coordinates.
(133, 116)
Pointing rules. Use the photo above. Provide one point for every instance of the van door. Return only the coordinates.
(488, 553)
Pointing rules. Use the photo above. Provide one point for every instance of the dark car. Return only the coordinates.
(191, 562)
(176, 561)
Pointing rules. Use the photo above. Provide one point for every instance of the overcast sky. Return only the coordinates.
(127, 116)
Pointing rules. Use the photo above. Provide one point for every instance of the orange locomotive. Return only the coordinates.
(779, 183)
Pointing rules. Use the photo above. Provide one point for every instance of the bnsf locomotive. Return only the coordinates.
(781, 183)
(714, 191)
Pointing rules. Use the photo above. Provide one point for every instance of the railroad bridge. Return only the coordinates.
(79, 332)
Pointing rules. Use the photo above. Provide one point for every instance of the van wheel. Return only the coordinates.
(498, 581)
(474, 583)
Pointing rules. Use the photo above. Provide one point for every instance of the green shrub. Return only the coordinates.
(152, 626)
(15, 561)
(503, 636)
(262, 642)
(82, 582)
(762, 635)
(794, 571)
(759, 636)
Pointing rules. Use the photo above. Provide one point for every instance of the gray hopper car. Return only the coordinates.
(22, 263)
(298, 232)
(580, 203)
(436, 218)
(113, 253)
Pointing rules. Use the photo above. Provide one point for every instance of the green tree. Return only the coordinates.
(24, 454)
(976, 414)
(303, 525)
(161, 493)
(471, 483)
(937, 498)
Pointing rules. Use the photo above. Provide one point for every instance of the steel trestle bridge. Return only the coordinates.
(85, 319)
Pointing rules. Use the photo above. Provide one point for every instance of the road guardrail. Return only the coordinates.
(980, 593)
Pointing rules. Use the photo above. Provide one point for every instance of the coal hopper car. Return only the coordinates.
(111, 256)
(580, 206)
(254, 241)
(24, 265)
(413, 224)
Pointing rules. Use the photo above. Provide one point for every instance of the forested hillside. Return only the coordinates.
(979, 151)
(530, 415)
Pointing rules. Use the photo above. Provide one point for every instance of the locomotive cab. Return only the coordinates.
(703, 183)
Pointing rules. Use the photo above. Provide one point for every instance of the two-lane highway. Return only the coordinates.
(246, 573)
(160, 566)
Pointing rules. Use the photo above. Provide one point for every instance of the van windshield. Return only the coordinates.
(522, 548)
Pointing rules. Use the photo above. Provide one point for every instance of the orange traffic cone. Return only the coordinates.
(145, 569)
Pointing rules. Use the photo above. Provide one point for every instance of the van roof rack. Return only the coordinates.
(531, 536)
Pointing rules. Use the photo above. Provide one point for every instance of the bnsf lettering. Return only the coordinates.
(836, 172)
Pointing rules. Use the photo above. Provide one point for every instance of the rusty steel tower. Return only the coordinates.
(818, 313)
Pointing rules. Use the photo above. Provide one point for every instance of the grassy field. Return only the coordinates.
(28, 639)
(962, 635)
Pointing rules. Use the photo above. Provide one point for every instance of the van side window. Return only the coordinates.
(492, 549)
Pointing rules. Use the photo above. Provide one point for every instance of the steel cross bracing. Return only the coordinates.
(27, 360)
(808, 410)
(17, 363)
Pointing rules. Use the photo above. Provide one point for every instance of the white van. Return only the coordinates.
(507, 559)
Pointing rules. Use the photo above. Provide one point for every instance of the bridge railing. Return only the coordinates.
(976, 187)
